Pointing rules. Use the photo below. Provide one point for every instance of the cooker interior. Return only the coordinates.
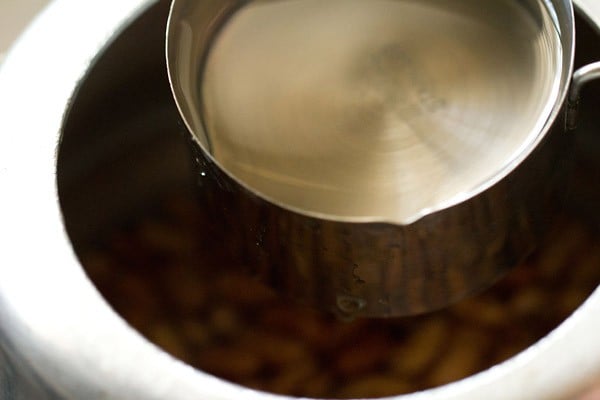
(127, 193)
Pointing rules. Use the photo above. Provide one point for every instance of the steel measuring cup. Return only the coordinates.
(380, 265)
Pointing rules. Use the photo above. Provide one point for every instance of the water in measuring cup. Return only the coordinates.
(377, 109)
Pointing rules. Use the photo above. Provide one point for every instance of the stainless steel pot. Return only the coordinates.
(337, 248)
(59, 339)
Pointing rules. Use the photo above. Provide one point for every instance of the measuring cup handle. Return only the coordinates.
(580, 77)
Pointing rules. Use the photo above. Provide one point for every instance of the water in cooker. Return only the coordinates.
(377, 109)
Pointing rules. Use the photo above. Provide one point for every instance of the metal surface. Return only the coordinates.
(351, 187)
(15, 16)
(581, 77)
(61, 338)
(387, 124)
